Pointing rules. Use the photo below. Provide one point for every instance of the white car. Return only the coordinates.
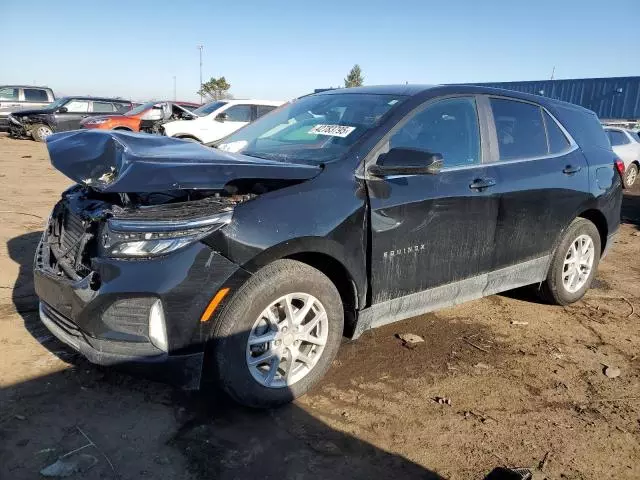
(626, 145)
(218, 119)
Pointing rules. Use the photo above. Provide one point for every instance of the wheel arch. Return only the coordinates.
(323, 255)
(120, 127)
(600, 221)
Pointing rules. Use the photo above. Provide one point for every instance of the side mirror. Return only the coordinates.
(63, 110)
(407, 161)
(222, 117)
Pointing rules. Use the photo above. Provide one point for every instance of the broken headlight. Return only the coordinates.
(149, 238)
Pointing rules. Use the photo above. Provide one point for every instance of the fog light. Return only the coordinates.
(157, 327)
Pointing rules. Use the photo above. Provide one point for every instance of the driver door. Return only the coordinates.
(432, 230)
(76, 110)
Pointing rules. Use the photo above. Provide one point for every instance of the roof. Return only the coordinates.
(25, 86)
(406, 90)
(102, 99)
(253, 101)
(412, 90)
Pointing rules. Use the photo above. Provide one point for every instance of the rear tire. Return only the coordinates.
(261, 310)
(574, 264)
(631, 175)
(40, 132)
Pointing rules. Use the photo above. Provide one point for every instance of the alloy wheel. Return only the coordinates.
(632, 175)
(287, 340)
(578, 263)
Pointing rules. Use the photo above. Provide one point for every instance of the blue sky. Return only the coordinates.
(280, 49)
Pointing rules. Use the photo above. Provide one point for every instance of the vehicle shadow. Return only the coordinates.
(630, 212)
(147, 429)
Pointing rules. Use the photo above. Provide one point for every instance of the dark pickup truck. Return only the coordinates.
(337, 213)
(64, 114)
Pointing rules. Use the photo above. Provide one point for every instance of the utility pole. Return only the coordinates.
(200, 47)
(174, 88)
(553, 72)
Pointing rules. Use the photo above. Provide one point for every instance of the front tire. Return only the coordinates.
(40, 132)
(631, 175)
(279, 334)
(574, 264)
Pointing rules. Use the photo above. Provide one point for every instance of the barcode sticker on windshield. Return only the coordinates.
(332, 130)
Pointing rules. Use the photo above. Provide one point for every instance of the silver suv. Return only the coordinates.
(20, 97)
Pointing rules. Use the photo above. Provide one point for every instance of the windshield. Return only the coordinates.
(58, 103)
(314, 129)
(208, 108)
(140, 108)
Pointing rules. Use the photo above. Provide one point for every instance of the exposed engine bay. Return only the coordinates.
(162, 113)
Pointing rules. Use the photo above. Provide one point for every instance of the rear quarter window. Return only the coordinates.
(584, 126)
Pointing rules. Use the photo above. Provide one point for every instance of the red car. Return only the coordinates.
(144, 118)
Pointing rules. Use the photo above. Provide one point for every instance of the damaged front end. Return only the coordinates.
(123, 270)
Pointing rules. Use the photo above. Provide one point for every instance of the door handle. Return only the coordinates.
(570, 170)
(482, 183)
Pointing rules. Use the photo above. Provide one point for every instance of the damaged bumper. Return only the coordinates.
(105, 315)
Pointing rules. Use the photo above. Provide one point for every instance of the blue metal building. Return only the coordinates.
(615, 98)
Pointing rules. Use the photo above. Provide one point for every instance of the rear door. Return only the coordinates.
(431, 230)
(76, 110)
(543, 179)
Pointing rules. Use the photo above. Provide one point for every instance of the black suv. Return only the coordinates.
(339, 212)
(64, 114)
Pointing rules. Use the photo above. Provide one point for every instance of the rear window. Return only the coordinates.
(35, 95)
(616, 137)
(520, 129)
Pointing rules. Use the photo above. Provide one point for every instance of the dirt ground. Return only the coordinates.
(529, 395)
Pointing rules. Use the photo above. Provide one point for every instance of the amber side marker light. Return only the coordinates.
(213, 304)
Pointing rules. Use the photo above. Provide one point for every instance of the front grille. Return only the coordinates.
(69, 237)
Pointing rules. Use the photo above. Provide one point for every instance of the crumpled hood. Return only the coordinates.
(124, 162)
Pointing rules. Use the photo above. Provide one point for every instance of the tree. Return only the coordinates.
(355, 78)
(215, 89)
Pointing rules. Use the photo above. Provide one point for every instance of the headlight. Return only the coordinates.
(96, 121)
(145, 238)
(13, 120)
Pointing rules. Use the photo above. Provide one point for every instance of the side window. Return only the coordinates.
(35, 95)
(448, 127)
(239, 113)
(103, 107)
(616, 138)
(77, 106)
(123, 107)
(558, 141)
(264, 109)
(9, 93)
(520, 130)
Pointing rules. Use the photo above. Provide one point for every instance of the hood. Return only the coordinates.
(124, 162)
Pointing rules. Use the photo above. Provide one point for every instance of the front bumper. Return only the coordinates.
(104, 315)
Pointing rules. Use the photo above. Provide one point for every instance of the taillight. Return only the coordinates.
(620, 167)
